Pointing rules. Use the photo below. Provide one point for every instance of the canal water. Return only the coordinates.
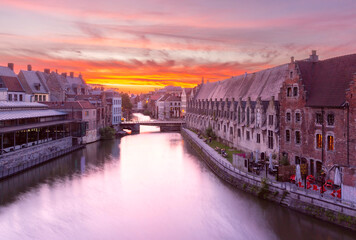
(146, 186)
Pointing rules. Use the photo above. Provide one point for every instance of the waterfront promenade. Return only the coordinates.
(306, 201)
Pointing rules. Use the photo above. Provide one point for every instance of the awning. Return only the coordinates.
(11, 115)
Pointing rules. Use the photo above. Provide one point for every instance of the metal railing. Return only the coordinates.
(248, 177)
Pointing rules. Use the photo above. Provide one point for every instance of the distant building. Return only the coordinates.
(80, 111)
(35, 85)
(10, 86)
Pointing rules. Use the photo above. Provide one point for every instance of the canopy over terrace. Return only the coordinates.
(26, 124)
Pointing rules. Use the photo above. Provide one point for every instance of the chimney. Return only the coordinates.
(29, 67)
(72, 74)
(313, 57)
(292, 60)
(64, 74)
(11, 66)
(272, 99)
(47, 70)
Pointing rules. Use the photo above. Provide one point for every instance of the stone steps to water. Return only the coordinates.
(285, 201)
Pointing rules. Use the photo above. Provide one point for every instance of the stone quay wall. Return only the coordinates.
(20, 160)
(285, 194)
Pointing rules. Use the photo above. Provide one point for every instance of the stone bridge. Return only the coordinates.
(165, 126)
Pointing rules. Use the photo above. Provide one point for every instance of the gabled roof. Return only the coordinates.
(264, 84)
(326, 81)
(11, 83)
(32, 83)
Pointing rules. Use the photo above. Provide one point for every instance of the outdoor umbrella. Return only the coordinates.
(337, 179)
(298, 175)
(270, 161)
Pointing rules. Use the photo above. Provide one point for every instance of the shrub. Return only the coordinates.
(107, 133)
(210, 133)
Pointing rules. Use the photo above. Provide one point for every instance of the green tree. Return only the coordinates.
(126, 103)
(107, 133)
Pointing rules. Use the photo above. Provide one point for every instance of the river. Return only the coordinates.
(146, 186)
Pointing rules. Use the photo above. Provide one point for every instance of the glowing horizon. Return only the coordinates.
(149, 44)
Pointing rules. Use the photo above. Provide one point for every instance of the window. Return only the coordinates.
(270, 120)
(15, 97)
(238, 115)
(287, 135)
(36, 98)
(40, 98)
(319, 141)
(10, 97)
(331, 119)
(21, 97)
(224, 128)
(297, 117)
(86, 113)
(44, 98)
(319, 118)
(297, 137)
(239, 132)
(291, 74)
(219, 126)
(248, 116)
(289, 92)
(247, 135)
(231, 131)
(270, 139)
(330, 143)
(288, 116)
(295, 91)
(258, 138)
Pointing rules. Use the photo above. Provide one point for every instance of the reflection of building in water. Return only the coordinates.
(82, 164)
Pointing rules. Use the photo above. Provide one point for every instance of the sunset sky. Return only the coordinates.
(140, 45)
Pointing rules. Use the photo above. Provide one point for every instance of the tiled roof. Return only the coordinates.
(31, 79)
(6, 104)
(9, 115)
(5, 71)
(264, 84)
(12, 84)
(70, 105)
(173, 98)
(326, 81)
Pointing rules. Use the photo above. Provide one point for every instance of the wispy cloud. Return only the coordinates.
(134, 43)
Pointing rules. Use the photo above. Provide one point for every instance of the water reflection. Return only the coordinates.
(148, 186)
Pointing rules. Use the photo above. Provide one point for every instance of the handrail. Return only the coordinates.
(279, 185)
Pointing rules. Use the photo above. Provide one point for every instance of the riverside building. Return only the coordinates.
(304, 110)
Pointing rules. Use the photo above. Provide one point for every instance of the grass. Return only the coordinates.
(215, 143)
(229, 152)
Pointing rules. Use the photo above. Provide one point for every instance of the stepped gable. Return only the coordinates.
(264, 84)
(326, 81)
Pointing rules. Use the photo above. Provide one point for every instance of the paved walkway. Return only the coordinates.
(271, 179)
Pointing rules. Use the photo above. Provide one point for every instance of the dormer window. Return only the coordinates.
(331, 119)
(37, 86)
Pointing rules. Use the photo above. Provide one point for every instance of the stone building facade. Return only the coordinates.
(304, 110)
(317, 125)
(243, 111)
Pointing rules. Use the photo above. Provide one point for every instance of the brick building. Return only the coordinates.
(304, 110)
(317, 117)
